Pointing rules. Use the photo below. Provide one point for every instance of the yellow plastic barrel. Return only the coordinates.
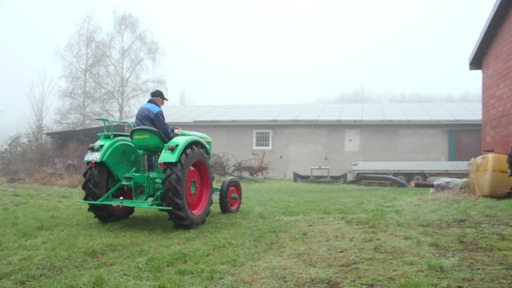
(488, 176)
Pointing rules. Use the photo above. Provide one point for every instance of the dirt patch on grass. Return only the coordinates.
(448, 195)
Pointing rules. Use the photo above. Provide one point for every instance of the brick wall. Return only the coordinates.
(497, 91)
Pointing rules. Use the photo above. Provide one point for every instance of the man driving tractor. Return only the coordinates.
(151, 114)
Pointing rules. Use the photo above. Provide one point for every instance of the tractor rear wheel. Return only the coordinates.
(187, 188)
(230, 196)
(98, 179)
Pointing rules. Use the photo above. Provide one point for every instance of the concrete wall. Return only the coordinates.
(497, 92)
(297, 148)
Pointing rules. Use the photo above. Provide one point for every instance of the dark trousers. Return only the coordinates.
(150, 162)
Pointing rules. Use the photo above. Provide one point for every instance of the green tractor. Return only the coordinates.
(117, 178)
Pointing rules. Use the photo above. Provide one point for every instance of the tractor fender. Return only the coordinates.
(120, 155)
(179, 143)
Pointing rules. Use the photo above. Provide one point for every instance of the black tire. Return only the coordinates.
(230, 198)
(97, 181)
(419, 178)
(402, 177)
(187, 188)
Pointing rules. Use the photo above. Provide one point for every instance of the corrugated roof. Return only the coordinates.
(451, 112)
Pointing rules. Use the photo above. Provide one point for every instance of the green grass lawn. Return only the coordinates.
(286, 235)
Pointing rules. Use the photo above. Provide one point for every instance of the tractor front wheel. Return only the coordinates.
(188, 188)
(230, 196)
(98, 180)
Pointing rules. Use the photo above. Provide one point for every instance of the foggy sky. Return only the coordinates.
(262, 52)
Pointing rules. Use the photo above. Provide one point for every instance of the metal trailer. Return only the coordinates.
(407, 171)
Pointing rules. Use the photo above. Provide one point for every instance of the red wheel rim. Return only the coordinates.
(234, 197)
(197, 187)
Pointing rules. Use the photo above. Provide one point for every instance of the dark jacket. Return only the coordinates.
(152, 115)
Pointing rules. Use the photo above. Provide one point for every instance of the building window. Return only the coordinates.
(262, 139)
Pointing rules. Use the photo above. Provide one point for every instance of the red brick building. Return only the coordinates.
(493, 55)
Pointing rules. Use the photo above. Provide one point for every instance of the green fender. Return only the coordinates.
(181, 142)
(120, 155)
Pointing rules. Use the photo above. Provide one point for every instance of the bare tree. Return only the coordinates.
(105, 74)
(28, 153)
(38, 96)
(184, 99)
(130, 56)
(81, 58)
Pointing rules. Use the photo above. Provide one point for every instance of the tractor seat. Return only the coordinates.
(148, 139)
